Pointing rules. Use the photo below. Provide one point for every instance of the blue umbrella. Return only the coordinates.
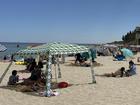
(127, 52)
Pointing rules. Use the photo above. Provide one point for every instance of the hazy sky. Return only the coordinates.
(72, 21)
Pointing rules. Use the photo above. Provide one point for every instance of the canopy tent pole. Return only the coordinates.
(55, 73)
(63, 58)
(58, 65)
(48, 75)
(55, 70)
(92, 68)
(6, 70)
(38, 58)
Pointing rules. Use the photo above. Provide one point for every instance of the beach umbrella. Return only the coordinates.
(127, 52)
(2, 48)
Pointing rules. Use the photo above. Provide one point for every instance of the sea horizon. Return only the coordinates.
(51, 42)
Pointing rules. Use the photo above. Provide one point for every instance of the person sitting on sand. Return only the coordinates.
(40, 64)
(119, 56)
(79, 58)
(36, 75)
(14, 78)
(119, 73)
(30, 88)
(132, 69)
(31, 66)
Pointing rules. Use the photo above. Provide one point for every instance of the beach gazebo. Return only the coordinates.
(53, 49)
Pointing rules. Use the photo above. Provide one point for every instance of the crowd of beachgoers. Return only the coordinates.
(113, 71)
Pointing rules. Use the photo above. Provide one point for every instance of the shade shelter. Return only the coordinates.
(53, 49)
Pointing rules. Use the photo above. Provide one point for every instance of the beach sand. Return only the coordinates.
(107, 91)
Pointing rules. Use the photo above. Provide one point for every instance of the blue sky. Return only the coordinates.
(72, 21)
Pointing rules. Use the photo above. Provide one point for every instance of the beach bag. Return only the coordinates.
(62, 85)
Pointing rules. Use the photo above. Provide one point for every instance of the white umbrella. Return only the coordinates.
(2, 48)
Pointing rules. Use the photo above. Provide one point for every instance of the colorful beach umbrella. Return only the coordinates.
(127, 52)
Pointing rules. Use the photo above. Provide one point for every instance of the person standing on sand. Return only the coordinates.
(4, 58)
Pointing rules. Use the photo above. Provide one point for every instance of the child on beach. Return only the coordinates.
(14, 78)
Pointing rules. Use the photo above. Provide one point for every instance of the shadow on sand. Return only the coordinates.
(36, 93)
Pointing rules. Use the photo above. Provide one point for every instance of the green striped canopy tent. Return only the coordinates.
(53, 49)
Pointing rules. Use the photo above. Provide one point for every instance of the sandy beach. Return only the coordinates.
(107, 91)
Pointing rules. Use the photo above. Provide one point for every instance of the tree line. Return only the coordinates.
(129, 37)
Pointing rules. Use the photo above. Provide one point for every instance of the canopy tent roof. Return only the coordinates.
(54, 49)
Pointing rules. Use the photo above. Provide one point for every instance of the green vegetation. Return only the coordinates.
(129, 37)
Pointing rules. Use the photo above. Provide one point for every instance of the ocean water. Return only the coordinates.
(13, 47)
